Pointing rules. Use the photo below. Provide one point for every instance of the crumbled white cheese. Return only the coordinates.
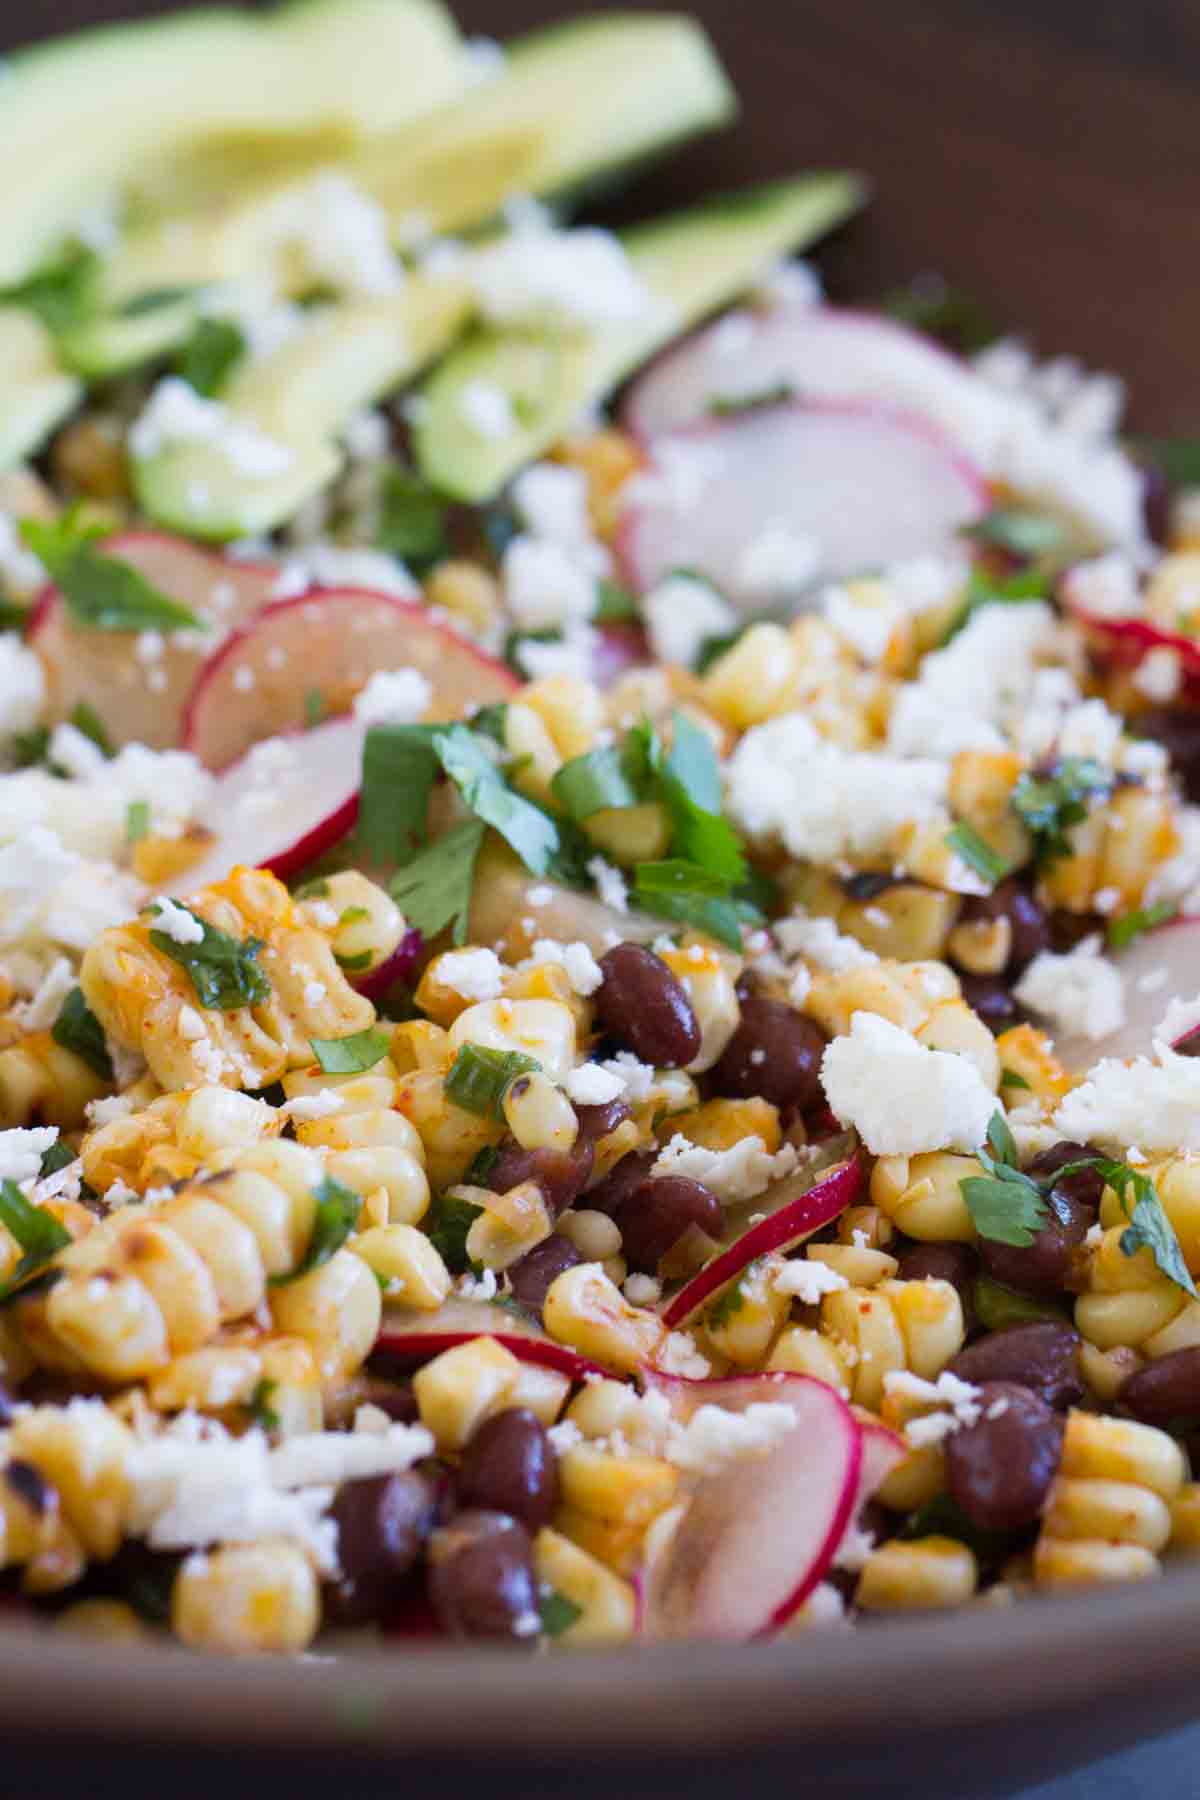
(610, 884)
(564, 1436)
(1152, 1103)
(590, 1085)
(583, 971)
(715, 1436)
(678, 1355)
(822, 802)
(557, 278)
(394, 697)
(325, 565)
(367, 435)
(854, 1550)
(777, 565)
(900, 1097)
(112, 1106)
(42, 1009)
(476, 974)
(642, 1290)
(966, 693)
(22, 1150)
(175, 922)
(740, 1173)
(50, 896)
(1159, 675)
(681, 614)
(573, 654)
(331, 1457)
(552, 503)
(819, 941)
(20, 570)
(638, 1079)
(478, 1287)
(953, 1403)
(486, 409)
(1107, 586)
(176, 414)
(341, 232)
(1079, 994)
(545, 585)
(808, 1281)
(22, 687)
(865, 620)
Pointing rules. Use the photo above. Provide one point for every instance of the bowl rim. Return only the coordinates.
(977, 1667)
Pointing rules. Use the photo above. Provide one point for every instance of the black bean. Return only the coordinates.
(1028, 931)
(658, 1213)
(1166, 1392)
(999, 1470)
(991, 999)
(1053, 1262)
(532, 1277)
(955, 1263)
(1177, 729)
(1085, 1187)
(596, 1122)
(561, 1175)
(509, 1466)
(7, 1403)
(1067, 929)
(481, 1579)
(1042, 1356)
(645, 1005)
(775, 1053)
(629, 1173)
(389, 1390)
(31, 1487)
(383, 1522)
(1156, 505)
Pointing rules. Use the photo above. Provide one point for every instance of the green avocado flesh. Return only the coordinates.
(693, 262)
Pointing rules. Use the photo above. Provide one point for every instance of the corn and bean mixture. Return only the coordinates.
(557, 1098)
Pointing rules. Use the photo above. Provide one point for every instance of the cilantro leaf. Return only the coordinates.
(1177, 458)
(593, 783)
(434, 889)
(1149, 1226)
(412, 518)
(1050, 804)
(13, 616)
(37, 1232)
(399, 767)
(314, 707)
(351, 1055)
(59, 1156)
(224, 970)
(1122, 931)
(137, 821)
(995, 590)
(446, 1225)
(1007, 1206)
(681, 890)
(558, 1613)
(100, 591)
(966, 842)
(212, 351)
(531, 832)
(60, 295)
(480, 1077)
(336, 1216)
(615, 605)
(86, 719)
(259, 1406)
(691, 781)
(78, 1029)
(1022, 532)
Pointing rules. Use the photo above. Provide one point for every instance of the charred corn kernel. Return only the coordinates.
(82, 1307)
(147, 1002)
(543, 1391)
(982, 946)
(280, 1220)
(1096, 1447)
(647, 693)
(1107, 1371)
(450, 1136)
(752, 680)
(1110, 1271)
(720, 1124)
(538, 1028)
(509, 1225)
(36, 1536)
(608, 458)
(922, 1195)
(930, 982)
(418, 1044)
(368, 924)
(926, 851)
(1114, 1512)
(210, 1380)
(351, 1129)
(619, 1490)
(980, 792)
(584, 1310)
(539, 1115)
(109, 1326)
(606, 1604)
(1185, 1519)
(42, 1083)
(707, 978)
(908, 922)
(1027, 1052)
(743, 1322)
(216, 1118)
(953, 1026)
(921, 1575)
(594, 1234)
(102, 1622)
(602, 1407)
(1068, 1562)
(800, 1351)
(867, 1338)
(835, 996)
(462, 1387)
(247, 1598)
(397, 1171)
(157, 861)
(918, 1478)
(407, 1262)
(126, 1149)
(571, 709)
(857, 1263)
(628, 835)
(336, 1308)
(470, 593)
(534, 760)
(867, 1226)
(1131, 1318)
(1071, 880)
(82, 1451)
(225, 1245)
(930, 1317)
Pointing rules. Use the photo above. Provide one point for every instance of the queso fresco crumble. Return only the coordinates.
(599, 878)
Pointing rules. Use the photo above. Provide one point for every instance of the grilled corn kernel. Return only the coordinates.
(571, 709)
(752, 680)
(920, 1477)
(868, 1339)
(245, 1598)
(336, 1308)
(607, 1606)
(860, 1265)
(397, 1171)
(602, 1407)
(1114, 1512)
(882, 988)
(953, 1026)
(535, 761)
(1095, 1447)
(801, 1351)
(538, 1028)
(920, 1575)
(1107, 1371)
(930, 1317)
(82, 1450)
(462, 1387)
(43, 1083)
(508, 1226)
(543, 1391)
(210, 1380)
(1185, 1519)
(1067, 1562)
(468, 592)
(539, 1115)
(586, 1312)
(628, 835)
(407, 1262)
(369, 923)
(743, 1322)
(102, 1622)
(1027, 1052)
(923, 1197)
(594, 1234)
(707, 977)
(619, 1490)
(720, 1124)
(1132, 1318)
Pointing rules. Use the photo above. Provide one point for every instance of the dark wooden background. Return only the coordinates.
(1042, 154)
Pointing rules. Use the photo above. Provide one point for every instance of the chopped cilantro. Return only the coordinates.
(479, 1077)
(29, 748)
(1022, 532)
(86, 719)
(446, 1224)
(38, 1234)
(100, 591)
(1122, 931)
(713, 649)
(57, 1157)
(615, 605)
(593, 783)
(530, 831)
(78, 1029)
(398, 770)
(412, 518)
(212, 351)
(1010, 1078)
(975, 850)
(1149, 1227)
(61, 295)
(336, 1216)
(353, 1054)
(1050, 804)
(730, 406)
(434, 890)
(683, 891)
(13, 616)
(262, 1413)
(996, 590)
(314, 708)
(558, 1613)
(224, 970)
(1177, 458)
(1007, 1206)
(137, 821)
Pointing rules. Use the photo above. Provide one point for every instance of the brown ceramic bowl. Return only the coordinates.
(1049, 169)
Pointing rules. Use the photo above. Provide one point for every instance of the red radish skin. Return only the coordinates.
(1173, 948)
(792, 1220)
(759, 1535)
(100, 668)
(620, 648)
(802, 469)
(329, 643)
(1125, 642)
(419, 1336)
(882, 1451)
(401, 965)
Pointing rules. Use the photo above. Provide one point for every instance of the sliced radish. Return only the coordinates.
(419, 1336)
(745, 500)
(882, 1451)
(324, 647)
(1160, 966)
(619, 649)
(793, 1209)
(139, 695)
(757, 1536)
(826, 353)
(399, 966)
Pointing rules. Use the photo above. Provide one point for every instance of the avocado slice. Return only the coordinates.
(299, 398)
(694, 262)
(135, 94)
(36, 393)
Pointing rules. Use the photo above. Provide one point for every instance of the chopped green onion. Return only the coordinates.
(37, 1232)
(965, 842)
(479, 1077)
(224, 970)
(78, 1029)
(1122, 931)
(137, 821)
